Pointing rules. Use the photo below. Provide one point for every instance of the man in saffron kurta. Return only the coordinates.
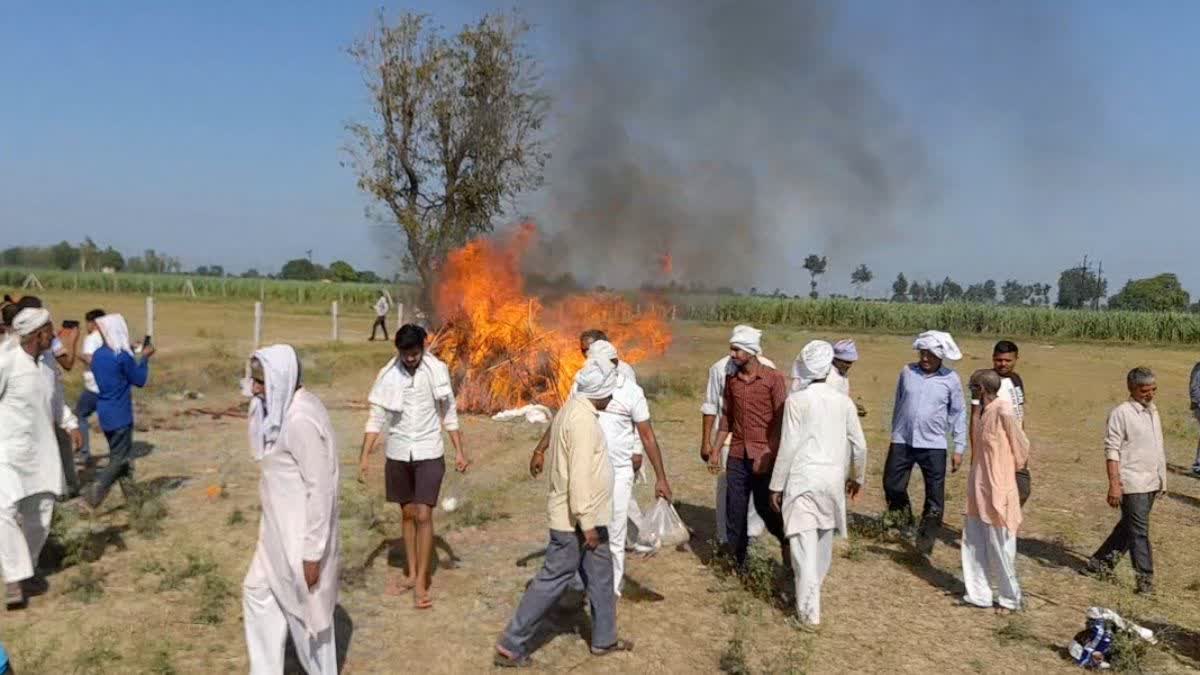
(292, 585)
(999, 448)
(821, 439)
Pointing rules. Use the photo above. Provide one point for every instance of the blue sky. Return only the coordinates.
(212, 130)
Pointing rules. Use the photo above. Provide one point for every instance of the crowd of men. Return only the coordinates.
(788, 451)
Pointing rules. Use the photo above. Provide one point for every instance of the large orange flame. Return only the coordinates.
(507, 349)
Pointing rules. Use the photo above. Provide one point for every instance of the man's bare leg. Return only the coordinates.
(398, 584)
(424, 555)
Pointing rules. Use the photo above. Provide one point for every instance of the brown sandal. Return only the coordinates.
(618, 646)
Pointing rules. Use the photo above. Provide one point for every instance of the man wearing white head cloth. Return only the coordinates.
(117, 372)
(752, 417)
(822, 439)
(292, 585)
(31, 474)
(929, 406)
(710, 411)
(580, 508)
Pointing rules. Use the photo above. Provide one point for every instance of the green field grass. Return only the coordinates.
(276, 290)
(1044, 322)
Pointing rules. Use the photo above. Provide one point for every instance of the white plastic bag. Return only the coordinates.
(663, 526)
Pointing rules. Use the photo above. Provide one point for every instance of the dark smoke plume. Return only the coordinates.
(736, 136)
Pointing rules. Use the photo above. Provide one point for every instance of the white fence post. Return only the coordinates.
(150, 316)
(399, 315)
(334, 313)
(258, 317)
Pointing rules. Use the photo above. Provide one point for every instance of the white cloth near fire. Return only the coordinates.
(940, 343)
(413, 409)
(533, 414)
(115, 332)
(747, 339)
(281, 373)
(31, 472)
(602, 350)
(714, 403)
(299, 492)
(597, 379)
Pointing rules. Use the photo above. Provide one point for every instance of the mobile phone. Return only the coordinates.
(145, 342)
(70, 323)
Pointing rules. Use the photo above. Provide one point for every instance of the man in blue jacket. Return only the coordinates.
(117, 372)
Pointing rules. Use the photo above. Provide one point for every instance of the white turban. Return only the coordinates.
(597, 379)
(845, 350)
(29, 320)
(939, 343)
(602, 350)
(814, 362)
(747, 339)
(281, 373)
(115, 332)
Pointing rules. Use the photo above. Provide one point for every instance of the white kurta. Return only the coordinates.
(299, 490)
(821, 439)
(29, 455)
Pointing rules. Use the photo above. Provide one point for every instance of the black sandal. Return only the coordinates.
(618, 646)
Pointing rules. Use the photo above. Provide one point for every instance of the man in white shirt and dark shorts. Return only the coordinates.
(412, 402)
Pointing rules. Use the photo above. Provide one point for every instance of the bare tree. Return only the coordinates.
(455, 131)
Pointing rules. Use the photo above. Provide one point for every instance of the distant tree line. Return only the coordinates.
(87, 256)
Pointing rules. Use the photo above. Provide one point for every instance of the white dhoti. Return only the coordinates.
(754, 522)
(618, 529)
(21, 543)
(267, 627)
(812, 553)
(989, 556)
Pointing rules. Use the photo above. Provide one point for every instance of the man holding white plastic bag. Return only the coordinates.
(821, 439)
(292, 585)
(710, 411)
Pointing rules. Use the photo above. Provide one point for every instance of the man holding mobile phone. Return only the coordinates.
(117, 372)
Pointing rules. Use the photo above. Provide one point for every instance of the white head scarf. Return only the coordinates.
(29, 320)
(813, 363)
(747, 339)
(941, 344)
(281, 373)
(602, 350)
(115, 332)
(845, 350)
(597, 379)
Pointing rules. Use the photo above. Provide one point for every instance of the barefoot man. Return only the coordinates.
(292, 585)
(412, 403)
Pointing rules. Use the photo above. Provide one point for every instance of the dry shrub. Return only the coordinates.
(87, 586)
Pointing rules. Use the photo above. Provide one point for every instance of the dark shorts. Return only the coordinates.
(414, 482)
(1024, 484)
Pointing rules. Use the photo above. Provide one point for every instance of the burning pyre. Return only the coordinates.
(507, 349)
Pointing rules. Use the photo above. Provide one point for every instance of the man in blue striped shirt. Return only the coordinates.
(929, 405)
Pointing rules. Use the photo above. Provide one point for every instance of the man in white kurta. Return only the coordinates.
(31, 475)
(822, 438)
(710, 411)
(292, 585)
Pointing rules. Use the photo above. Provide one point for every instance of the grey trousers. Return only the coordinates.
(1131, 534)
(66, 454)
(566, 555)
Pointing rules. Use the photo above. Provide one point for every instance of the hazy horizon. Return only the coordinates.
(1020, 136)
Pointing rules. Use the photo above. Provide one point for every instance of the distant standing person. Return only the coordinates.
(86, 406)
(929, 403)
(710, 411)
(999, 449)
(752, 418)
(579, 507)
(1012, 389)
(292, 584)
(382, 306)
(412, 402)
(1137, 473)
(1194, 393)
(117, 372)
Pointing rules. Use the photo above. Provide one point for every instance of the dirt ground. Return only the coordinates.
(171, 602)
